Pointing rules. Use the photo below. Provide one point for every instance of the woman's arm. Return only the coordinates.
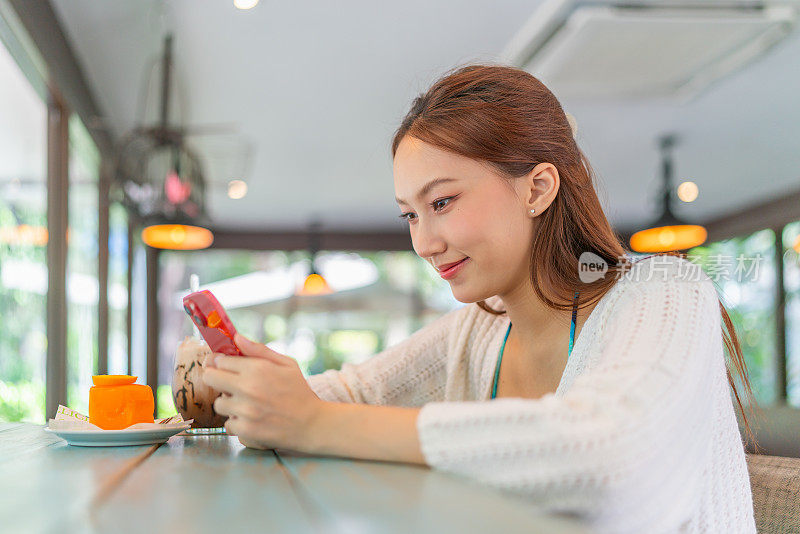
(387, 433)
(270, 406)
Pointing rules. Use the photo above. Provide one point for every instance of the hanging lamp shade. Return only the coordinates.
(177, 236)
(160, 179)
(165, 187)
(315, 283)
(668, 232)
(23, 234)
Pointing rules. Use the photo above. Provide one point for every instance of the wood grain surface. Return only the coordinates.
(214, 484)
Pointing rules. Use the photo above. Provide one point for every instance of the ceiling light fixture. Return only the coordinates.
(315, 283)
(237, 189)
(688, 191)
(23, 234)
(161, 178)
(245, 4)
(668, 233)
(177, 236)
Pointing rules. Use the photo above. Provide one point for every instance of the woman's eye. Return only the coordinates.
(436, 202)
(435, 205)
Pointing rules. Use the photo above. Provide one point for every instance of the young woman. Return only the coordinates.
(608, 398)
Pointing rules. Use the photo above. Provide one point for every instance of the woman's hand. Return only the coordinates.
(265, 396)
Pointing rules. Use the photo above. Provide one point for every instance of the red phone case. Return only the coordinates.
(212, 321)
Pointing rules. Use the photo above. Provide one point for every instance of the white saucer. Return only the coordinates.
(115, 438)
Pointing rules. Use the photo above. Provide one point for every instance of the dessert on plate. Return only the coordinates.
(116, 402)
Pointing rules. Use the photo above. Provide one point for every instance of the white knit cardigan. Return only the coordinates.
(640, 435)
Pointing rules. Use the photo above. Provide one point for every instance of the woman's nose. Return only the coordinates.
(427, 243)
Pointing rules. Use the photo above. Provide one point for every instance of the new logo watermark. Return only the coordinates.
(591, 267)
(717, 267)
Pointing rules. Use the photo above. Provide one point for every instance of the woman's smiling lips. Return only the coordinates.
(450, 270)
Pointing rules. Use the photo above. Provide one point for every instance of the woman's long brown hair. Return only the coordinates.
(507, 118)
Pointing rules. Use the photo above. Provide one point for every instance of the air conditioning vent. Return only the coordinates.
(656, 50)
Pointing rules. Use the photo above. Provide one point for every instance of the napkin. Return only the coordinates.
(69, 419)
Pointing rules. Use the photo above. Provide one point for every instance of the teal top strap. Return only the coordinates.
(569, 351)
(497, 369)
(572, 324)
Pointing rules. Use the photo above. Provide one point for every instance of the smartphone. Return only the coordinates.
(214, 324)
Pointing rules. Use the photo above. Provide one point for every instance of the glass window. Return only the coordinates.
(82, 250)
(791, 283)
(117, 290)
(382, 298)
(743, 269)
(23, 240)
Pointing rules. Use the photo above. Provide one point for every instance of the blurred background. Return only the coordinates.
(243, 146)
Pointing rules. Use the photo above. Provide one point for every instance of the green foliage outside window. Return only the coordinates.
(23, 235)
(791, 282)
(749, 296)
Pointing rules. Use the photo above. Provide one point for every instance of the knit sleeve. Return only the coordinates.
(628, 440)
(409, 373)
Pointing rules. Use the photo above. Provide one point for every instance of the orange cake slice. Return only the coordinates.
(115, 402)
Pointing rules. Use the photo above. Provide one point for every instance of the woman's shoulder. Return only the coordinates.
(660, 279)
(662, 270)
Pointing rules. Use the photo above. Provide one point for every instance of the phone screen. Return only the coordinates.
(213, 322)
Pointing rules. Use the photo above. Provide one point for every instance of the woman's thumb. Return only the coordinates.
(251, 348)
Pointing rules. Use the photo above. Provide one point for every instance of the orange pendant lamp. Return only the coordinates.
(21, 234)
(177, 236)
(315, 283)
(24, 235)
(668, 232)
(179, 226)
(161, 179)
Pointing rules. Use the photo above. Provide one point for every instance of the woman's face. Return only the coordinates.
(478, 215)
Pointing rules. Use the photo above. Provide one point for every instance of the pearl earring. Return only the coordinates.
(533, 211)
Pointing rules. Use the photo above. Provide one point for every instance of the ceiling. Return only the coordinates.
(318, 88)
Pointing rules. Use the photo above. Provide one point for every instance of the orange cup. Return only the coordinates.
(115, 402)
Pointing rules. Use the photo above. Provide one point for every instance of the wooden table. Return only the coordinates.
(214, 484)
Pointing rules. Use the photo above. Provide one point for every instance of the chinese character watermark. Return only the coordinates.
(717, 267)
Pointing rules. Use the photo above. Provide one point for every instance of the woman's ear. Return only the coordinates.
(540, 187)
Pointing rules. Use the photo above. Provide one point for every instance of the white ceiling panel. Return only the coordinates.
(318, 88)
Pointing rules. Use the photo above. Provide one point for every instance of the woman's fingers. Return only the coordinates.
(270, 404)
(221, 380)
(221, 405)
(208, 360)
(233, 364)
(257, 350)
(229, 424)
(237, 407)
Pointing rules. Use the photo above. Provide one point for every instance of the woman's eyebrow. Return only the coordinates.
(427, 188)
